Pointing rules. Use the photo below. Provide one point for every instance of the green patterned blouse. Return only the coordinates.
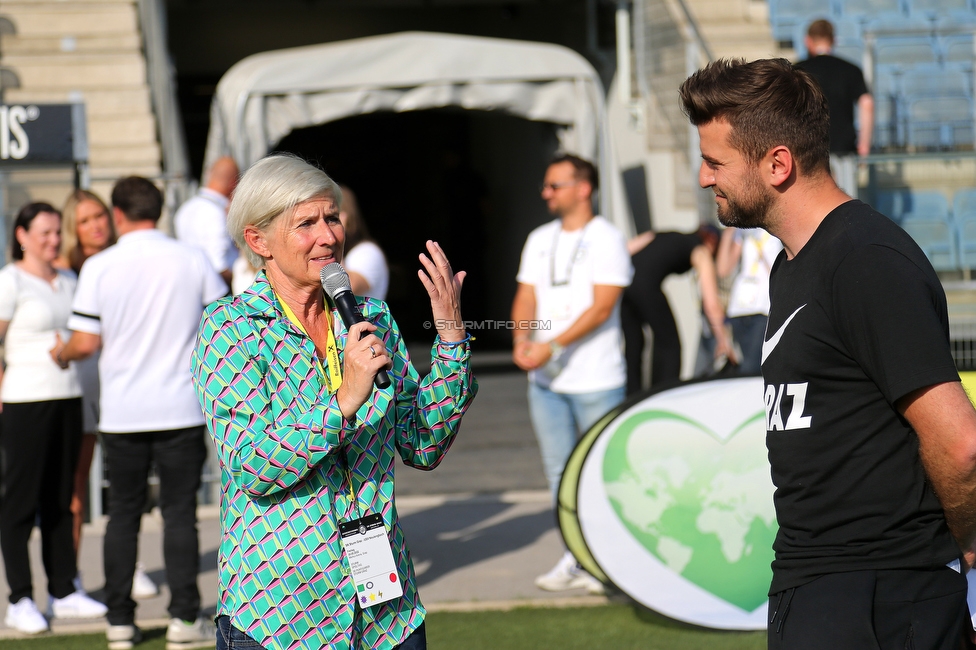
(287, 458)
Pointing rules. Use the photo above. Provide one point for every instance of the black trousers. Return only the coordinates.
(871, 610)
(179, 455)
(39, 444)
(653, 309)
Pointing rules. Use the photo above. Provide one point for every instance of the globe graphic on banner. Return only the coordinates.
(700, 506)
(669, 497)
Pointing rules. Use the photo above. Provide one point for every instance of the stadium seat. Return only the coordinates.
(925, 216)
(964, 204)
(936, 239)
(892, 203)
(959, 48)
(889, 107)
(934, 80)
(940, 123)
(964, 213)
(870, 7)
(902, 203)
(787, 16)
(905, 50)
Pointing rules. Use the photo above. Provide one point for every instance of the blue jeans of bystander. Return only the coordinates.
(560, 418)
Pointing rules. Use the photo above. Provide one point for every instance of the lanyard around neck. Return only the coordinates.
(332, 378)
(572, 257)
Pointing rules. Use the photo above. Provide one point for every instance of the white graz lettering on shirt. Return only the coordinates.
(774, 407)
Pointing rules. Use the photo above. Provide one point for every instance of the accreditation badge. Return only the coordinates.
(561, 301)
(371, 562)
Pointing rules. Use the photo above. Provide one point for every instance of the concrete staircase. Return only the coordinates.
(88, 51)
(735, 28)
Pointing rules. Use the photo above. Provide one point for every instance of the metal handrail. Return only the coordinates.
(696, 30)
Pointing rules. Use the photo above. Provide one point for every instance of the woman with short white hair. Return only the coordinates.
(306, 444)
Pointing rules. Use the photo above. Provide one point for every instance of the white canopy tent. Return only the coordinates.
(264, 97)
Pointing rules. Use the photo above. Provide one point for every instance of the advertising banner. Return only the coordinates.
(42, 134)
(669, 498)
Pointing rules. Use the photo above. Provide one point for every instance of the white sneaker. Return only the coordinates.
(567, 574)
(122, 637)
(181, 635)
(76, 605)
(25, 617)
(142, 585)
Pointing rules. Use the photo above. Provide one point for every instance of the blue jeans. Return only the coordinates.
(749, 332)
(559, 419)
(230, 638)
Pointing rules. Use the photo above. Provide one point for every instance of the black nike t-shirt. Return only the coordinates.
(858, 320)
(843, 84)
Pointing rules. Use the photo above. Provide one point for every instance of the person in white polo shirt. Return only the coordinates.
(141, 301)
(202, 220)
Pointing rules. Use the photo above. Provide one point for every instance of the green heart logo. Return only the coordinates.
(700, 503)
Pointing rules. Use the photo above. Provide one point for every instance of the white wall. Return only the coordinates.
(630, 143)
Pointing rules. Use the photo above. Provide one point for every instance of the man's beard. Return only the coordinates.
(749, 213)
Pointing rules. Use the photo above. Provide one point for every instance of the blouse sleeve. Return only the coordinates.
(428, 412)
(234, 386)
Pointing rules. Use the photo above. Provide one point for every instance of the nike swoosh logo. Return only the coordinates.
(770, 345)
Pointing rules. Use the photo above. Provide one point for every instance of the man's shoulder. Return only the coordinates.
(859, 234)
(546, 228)
(601, 230)
(197, 207)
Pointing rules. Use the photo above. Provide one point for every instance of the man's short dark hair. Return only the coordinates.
(583, 170)
(821, 30)
(767, 103)
(138, 199)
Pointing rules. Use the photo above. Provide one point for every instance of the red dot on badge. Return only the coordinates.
(392, 577)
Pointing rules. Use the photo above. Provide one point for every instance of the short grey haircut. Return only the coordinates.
(268, 189)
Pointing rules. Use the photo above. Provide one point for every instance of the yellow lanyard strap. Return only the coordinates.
(333, 378)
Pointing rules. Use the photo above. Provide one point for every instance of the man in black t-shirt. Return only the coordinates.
(843, 84)
(871, 438)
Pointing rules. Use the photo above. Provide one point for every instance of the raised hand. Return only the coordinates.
(444, 288)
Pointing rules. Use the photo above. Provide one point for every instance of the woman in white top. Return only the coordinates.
(364, 260)
(40, 423)
(86, 229)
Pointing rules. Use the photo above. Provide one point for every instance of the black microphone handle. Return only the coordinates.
(349, 312)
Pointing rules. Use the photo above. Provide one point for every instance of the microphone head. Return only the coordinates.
(334, 279)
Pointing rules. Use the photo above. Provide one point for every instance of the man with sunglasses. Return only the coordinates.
(567, 308)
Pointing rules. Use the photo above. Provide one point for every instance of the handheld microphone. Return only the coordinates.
(336, 283)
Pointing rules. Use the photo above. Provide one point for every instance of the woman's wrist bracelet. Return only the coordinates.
(451, 344)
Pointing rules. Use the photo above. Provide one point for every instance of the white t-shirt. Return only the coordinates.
(242, 275)
(202, 222)
(749, 295)
(563, 267)
(144, 297)
(36, 310)
(367, 260)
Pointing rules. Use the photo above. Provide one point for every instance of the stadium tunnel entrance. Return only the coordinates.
(466, 179)
(440, 136)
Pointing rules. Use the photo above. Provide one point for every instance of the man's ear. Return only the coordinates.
(779, 165)
(257, 240)
(118, 217)
(584, 190)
